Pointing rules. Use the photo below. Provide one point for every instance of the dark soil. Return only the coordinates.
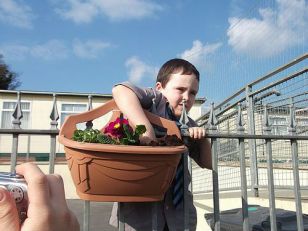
(168, 140)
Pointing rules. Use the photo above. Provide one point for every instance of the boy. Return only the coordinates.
(177, 80)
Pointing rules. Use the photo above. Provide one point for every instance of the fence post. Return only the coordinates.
(297, 190)
(89, 124)
(154, 216)
(212, 128)
(240, 130)
(87, 204)
(86, 215)
(121, 218)
(252, 142)
(187, 186)
(17, 115)
(28, 147)
(270, 174)
(54, 116)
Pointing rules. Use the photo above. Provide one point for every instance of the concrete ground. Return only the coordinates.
(99, 214)
(232, 199)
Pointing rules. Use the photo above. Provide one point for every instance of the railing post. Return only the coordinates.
(187, 187)
(121, 217)
(270, 174)
(86, 215)
(17, 115)
(252, 142)
(240, 130)
(28, 147)
(89, 124)
(154, 216)
(87, 204)
(297, 190)
(212, 129)
(54, 116)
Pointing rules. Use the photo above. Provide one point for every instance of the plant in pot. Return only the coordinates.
(110, 164)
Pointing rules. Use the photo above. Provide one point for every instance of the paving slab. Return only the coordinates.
(99, 214)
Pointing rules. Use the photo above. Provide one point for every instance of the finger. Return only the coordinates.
(145, 140)
(195, 133)
(9, 219)
(198, 134)
(38, 187)
(201, 133)
(191, 132)
(57, 189)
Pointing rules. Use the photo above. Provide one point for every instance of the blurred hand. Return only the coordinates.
(47, 209)
(148, 136)
(197, 132)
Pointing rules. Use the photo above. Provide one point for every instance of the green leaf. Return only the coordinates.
(127, 131)
(133, 142)
(78, 135)
(90, 135)
(124, 141)
(104, 139)
(140, 129)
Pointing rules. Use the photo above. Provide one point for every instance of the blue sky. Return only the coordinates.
(89, 45)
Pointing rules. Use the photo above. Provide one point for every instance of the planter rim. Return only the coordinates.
(133, 149)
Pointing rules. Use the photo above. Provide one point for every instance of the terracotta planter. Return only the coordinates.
(124, 173)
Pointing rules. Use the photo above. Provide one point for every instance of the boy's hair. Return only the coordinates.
(175, 66)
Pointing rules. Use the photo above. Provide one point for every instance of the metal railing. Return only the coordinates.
(279, 89)
(215, 136)
(16, 131)
(268, 138)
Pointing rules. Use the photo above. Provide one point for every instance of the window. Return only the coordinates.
(71, 109)
(7, 114)
(279, 125)
(302, 126)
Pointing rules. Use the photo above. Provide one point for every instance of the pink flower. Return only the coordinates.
(115, 128)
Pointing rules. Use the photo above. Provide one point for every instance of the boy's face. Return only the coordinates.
(180, 87)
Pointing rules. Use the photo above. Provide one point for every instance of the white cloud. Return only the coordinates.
(275, 31)
(16, 13)
(14, 51)
(84, 11)
(139, 70)
(89, 49)
(53, 49)
(79, 12)
(127, 9)
(197, 55)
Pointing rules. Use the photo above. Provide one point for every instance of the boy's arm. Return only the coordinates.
(129, 104)
(205, 158)
(200, 147)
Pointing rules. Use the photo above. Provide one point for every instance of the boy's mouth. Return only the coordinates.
(181, 105)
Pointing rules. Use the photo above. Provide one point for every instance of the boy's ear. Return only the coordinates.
(158, 86)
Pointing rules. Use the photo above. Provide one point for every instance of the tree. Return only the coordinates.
(8, 78)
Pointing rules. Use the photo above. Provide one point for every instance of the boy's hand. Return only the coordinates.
(197, 132)
(148, 136)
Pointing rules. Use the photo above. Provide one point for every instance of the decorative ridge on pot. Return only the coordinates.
(122, 148)
(124, 173)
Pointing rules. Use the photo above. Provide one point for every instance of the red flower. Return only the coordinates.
(115, 128)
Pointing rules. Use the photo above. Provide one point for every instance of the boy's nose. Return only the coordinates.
(185, 96)
(185, 100)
